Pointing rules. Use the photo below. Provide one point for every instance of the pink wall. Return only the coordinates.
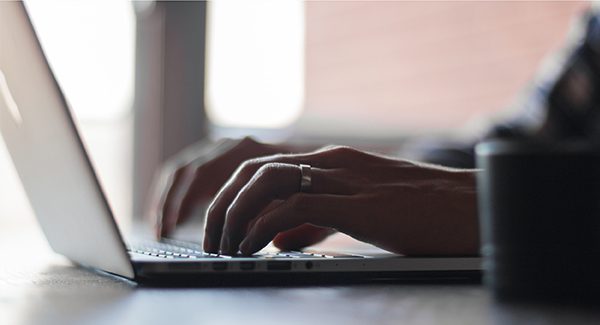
(415, 65)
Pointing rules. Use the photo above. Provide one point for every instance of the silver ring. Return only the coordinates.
(306, 178)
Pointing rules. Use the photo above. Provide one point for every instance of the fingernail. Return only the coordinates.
(208, 246)
(225, 244)
(245, 246)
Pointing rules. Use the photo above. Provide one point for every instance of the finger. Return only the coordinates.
(271, 182)
(188, 199)
(302, 236)
(182, 194)
(204, 183)
(212, 171)
(274, 181)
(333, 157)
(323, 210)
(273, 205)
(166, 214)
(215, 215)
(172, 186)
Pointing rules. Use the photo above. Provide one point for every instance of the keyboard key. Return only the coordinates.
(184, 250)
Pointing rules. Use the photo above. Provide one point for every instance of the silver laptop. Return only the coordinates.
(73, 212)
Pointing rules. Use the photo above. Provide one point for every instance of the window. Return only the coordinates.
(374, 68)
(255, 62)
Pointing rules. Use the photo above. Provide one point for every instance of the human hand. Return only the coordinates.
(400, 206)
(192, 178)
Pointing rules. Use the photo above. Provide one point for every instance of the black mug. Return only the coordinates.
(539, 211)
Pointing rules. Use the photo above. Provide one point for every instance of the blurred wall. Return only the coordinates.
(423, 66)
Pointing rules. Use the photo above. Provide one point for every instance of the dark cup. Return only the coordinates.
(539, 210)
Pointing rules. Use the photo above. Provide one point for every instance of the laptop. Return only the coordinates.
(74, 214)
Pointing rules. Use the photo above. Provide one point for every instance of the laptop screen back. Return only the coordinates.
(48, 154)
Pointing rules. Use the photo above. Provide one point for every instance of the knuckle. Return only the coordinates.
(246, 164)
(248, 167)
(173, 164)
(336, 155)
(179, 171)
(268, 171)
(176, 172)
(198, 171)
(341, 151)
(248, 140)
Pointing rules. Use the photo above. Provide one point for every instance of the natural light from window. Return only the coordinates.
(255, 62)
(90, 47)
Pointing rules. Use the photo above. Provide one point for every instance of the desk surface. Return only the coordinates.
(38, 286)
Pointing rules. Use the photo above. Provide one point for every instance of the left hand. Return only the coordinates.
(400, 206)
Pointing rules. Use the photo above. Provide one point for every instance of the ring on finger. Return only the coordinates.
(305, 178)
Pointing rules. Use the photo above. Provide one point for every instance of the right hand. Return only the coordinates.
(194, 176)
(401, 206)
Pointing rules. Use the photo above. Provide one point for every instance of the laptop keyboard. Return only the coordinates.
(173, 249)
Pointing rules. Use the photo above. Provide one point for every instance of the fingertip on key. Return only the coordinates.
(225, 245)
(208, 245)
(246, 247)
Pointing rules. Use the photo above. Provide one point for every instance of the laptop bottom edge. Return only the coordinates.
(304, 279)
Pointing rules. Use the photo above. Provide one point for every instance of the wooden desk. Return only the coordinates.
(40, 287)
